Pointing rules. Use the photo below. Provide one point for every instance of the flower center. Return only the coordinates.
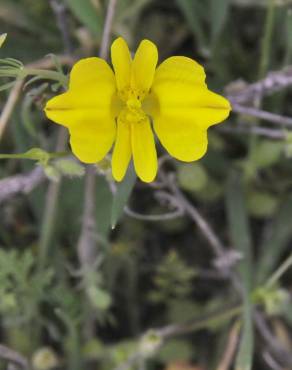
(132, 111)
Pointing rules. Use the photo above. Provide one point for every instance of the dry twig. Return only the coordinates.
(21, 184)
(11, 356)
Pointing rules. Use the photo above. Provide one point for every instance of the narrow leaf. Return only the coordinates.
(194, 13)
(241, 239)
(275, 243)
(87, 13)
(2, 38)
(219, 12)
(122, 195)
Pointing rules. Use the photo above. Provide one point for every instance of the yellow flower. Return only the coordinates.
(102, 107)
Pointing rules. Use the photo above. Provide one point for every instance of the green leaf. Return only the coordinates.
(240, 235)
(194, 13)
(246, 346)
(122, 195)
(99, 298)
(69, 167)
(271, 249)
(87, 13)
(176, 350)
(7, 86)
(192, 177)
(261, 203)
(35, 154)
(104, 200)
(219, 12)
(267, 153)
(239, 226)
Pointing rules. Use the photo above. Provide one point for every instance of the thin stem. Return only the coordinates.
(104, 48)
(50, 210)
(206, 229)
(266, 42)
(263, 115)
(60, 12)
(275, 134)
(10, 355)
(50, 75)
(200, 322)
(190, 326)
(280, 271)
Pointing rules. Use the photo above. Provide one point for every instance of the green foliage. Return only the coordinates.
(88, 14)
(241, 238)
(22, 287)
(192, 177)
(149, 274)
(173, 279)
(176, 350)
(122, 195)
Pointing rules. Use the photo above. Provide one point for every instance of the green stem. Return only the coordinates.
(73, 341)
(50, 211)
(280, 271)
(204, 322)
(50, 75)
(51, 155)
(266, 42)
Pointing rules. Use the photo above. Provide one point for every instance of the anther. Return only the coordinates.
(133, 103)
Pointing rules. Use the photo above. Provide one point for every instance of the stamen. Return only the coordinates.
(133, 103)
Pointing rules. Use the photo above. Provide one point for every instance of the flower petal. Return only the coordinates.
(200, 105)
(144, 151)
(180, 69)
(122, 61)
(182, 114)
(144, 65)
(86, 109)
(93, 141)
(179, 91)
(122, 151)
(91, 91)
(183, 140)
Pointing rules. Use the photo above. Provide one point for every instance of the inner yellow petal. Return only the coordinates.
(143, 68)
(122, 151)
(122, 63)
(144, 151)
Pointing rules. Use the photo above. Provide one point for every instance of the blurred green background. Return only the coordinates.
(60, 315)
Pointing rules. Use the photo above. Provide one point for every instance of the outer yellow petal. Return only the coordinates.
(144, 151)
(144, 65)
(179, 69)
(183, 108)
(91, 143)
(182, 139)
(86, 109)
(183, 102)
(179, 91)
(122, 61)
(91, 90)
(122, 151)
